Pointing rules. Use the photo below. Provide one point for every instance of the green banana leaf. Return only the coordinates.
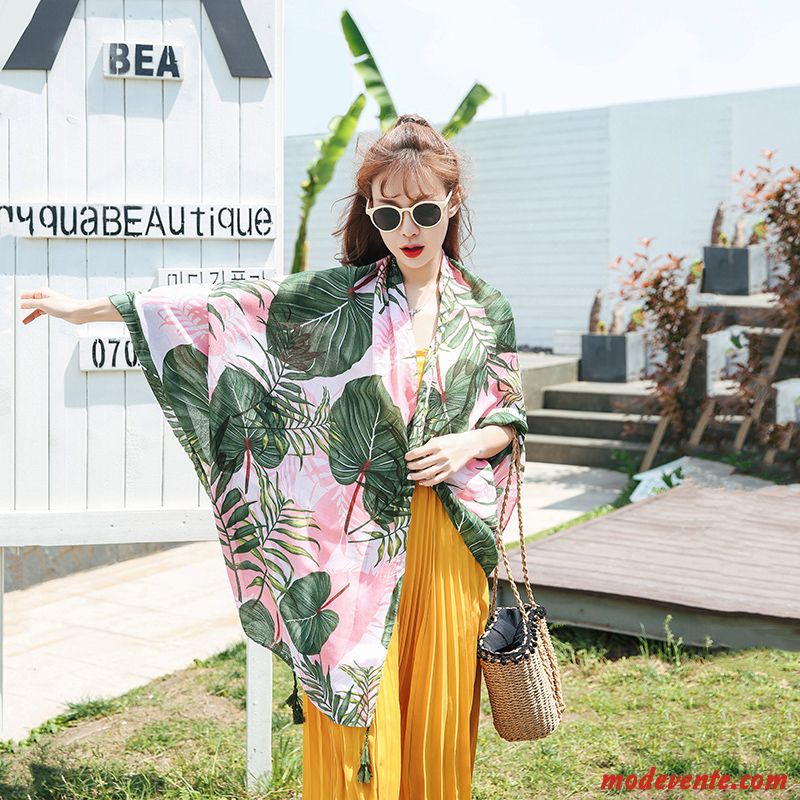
(463, 115)
(321, 170)
(369, 72)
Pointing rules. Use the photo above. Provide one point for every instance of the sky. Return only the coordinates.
(533, 56)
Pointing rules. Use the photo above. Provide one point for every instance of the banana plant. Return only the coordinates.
(320, 172)
(366, 66)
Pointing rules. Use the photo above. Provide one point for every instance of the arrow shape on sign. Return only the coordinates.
(41, 40)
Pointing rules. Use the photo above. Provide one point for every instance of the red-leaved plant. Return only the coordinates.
(660, 286)
(774, 196)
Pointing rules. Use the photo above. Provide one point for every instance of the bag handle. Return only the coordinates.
(515, 464)
(547, 646)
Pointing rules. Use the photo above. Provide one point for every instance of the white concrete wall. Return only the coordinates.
(556, 197)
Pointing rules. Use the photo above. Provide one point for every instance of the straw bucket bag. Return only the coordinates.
(516, 655)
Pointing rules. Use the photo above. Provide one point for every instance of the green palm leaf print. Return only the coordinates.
(367, 442)
(257, 622)
(186, 388)
(309, 626)
(333, 325)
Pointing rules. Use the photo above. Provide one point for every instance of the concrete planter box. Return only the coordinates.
(734, 270)
(616, 358)
(567, 343)
(787, 401)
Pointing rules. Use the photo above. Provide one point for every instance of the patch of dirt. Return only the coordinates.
(177, 696)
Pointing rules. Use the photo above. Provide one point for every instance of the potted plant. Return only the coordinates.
(662, 286)
(616, 354)
(736, 267)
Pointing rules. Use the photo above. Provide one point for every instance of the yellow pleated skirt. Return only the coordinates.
(424, 732)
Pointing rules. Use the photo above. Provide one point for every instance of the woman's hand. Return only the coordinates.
(442, 456)
(48, 301)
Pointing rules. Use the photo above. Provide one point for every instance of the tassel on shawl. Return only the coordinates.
(365, 771)
(293, 700)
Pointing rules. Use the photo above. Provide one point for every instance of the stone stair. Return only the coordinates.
(585, 422)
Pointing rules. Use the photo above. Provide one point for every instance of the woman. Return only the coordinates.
(463, 411)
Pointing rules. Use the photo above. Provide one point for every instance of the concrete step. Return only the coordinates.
(789, 368)
(599, 396)
(540, 370)
(580, 450)
(754, 309)
(592, 424)
(766, 341)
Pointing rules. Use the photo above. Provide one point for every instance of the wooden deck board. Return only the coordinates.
(722, 550)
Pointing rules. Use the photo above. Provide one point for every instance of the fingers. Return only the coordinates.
(31, 317)
(31, 297)
(437, 477)
(424, 474)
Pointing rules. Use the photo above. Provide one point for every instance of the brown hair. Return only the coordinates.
(412, 147)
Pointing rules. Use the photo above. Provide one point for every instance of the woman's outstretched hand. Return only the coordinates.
(48, 301)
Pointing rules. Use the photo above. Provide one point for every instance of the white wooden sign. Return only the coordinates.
(105, 186)
(171, 277)
(107, 353)
(113, 221)
(102, 184)
(137, 60)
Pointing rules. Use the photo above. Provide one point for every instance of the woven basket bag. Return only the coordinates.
(515, 652)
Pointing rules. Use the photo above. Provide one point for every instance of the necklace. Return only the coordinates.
(414, 311)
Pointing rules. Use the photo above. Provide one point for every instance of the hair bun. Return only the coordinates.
(416, 118)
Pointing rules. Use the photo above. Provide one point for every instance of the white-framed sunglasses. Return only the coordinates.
(426, 214)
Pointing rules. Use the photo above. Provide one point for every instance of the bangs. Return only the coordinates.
(413, 170)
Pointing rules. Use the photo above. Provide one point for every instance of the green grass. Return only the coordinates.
(632, 703)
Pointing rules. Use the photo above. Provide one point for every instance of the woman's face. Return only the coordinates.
(402, 240)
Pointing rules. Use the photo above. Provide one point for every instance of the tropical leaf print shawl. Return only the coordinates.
(296, 400)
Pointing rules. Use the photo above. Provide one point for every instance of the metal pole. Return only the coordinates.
(259, 716)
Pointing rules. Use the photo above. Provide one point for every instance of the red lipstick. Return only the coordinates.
(412, 252)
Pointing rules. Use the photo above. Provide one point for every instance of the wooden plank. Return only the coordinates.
(260, 167)
(183, 167)
(693, 341)
(145, 432)
(723, 550)
(66, 175)
(259, 716)
(638, 617)
(220, 176)
(105, 260)
(261, 177)
(709, 404)
(2, 613)
(24, 97)
(78, 527)
(10, 323)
